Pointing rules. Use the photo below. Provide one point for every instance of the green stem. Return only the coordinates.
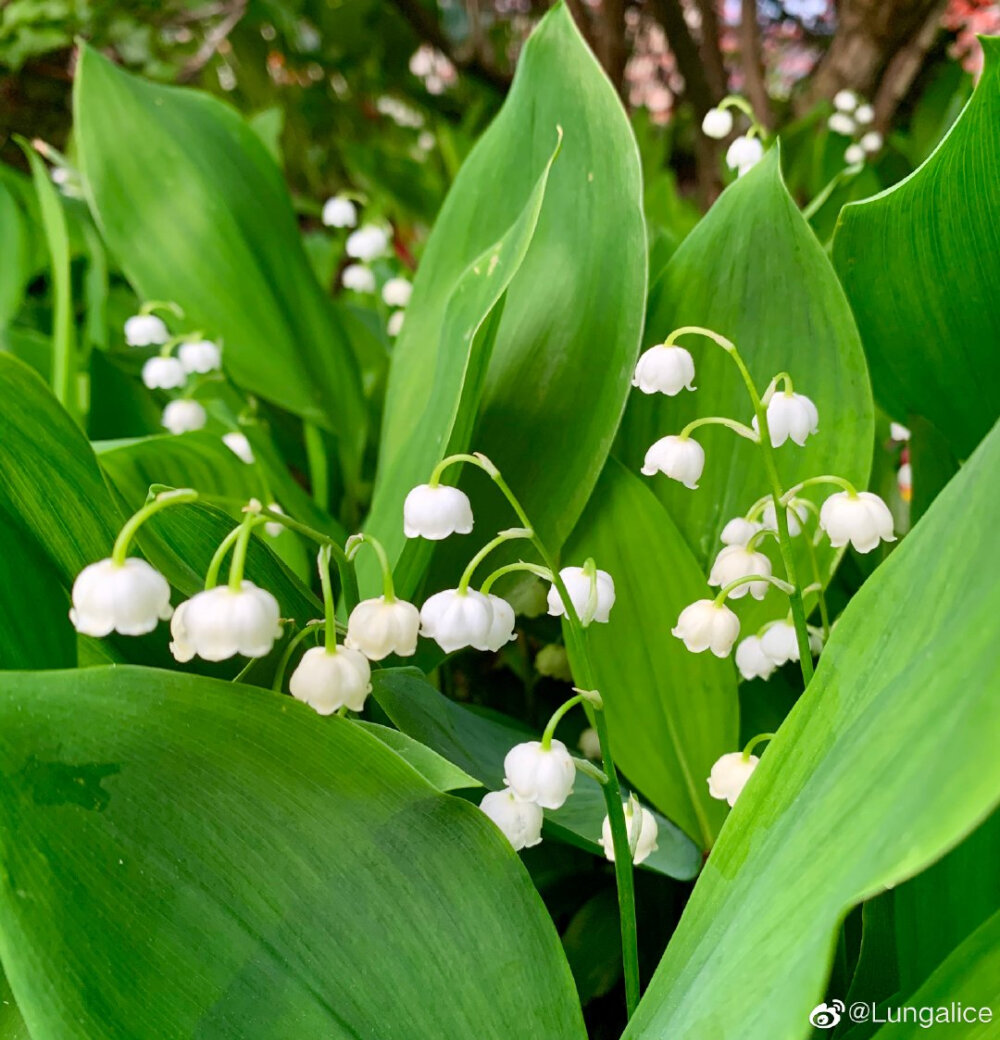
(785, 586)
(329, 603)
(162, 305)
(511, 568)
(240, 547)
(212, 574)
(353, 547)
(503, 536)
(319, 464)
(293, 643)
(717, 420)
(162, 501)
(753, 742)
(589, 769)
(698, 330)
(558, 714)
(827, 478)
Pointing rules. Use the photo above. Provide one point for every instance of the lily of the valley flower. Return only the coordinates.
(664, 370)
(456, 619)
(679, 458)
(796, 514)
(200, 356)
(367, 243)
(752, 660)
(183, 415)
(737, 561)
(221, 622)
(129, 598)
(538, 774)
(730, 774)
(397, 291)
(163, 373)
(378, 628)
(707, 625)
(358, 278)
(339, 212)
(637, 818)
(790, 415)
(862, 519)
(842, 123)
(394, 326)
(845, 101)
(520, 822)
(579, 586)
(239, 445)
(743, 154)
(864, 114)
(330, 679)
(854, 154)
(146, 330)
(780, 643)
(738, 531)
(502, 628)
(590, 744)
(718, 123)
(435, 512)
(552, 661)
(872, 142)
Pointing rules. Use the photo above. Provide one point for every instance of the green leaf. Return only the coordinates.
(671, 713)
(567, 341)
(196, 211)
(15, 257)
(429, 764)
(477, 744)
(194, 858)
(920, 266)
(886, 761)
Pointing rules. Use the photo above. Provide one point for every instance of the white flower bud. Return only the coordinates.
(163, 373)
(358, 278)
(239, 445)
(664, 370)
(789, 415)
(863, 520)
(841, 123)
(436, 512)
(872, 142)
(864, 114)
(854, 154)
(273, 528)
(590, 744)
(455, 620)
(718, 123)
(219, 623)
(538, 775)
(552, 661)
(396, 292)
(394, 326)
(146, 330)
(502, 629)
(737, 561)
(520, 822)
(378, 628)
(845, 101)
(367, 243)
(578, 585)
(707, 625)
(904, 481)
(752, 660)
(780, 642)
(729, 776)
(738, 531)
(816, 640)
(636, 816)
(201, 356)
(330, 680)
(339, 212)
(796, 514)
(183, 415)
(679, 458)
(744, 153)
(129, 598)
(899, 432)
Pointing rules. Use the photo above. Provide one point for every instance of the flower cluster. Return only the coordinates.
(745, 150)
(852, 118)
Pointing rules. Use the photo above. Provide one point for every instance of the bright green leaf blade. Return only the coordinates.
(12, 1026)
(886, 761)
(185, 857)
(671, 713)
(557, 381)
(15, 257)
(920, 264)
(196, 211)
(478, 743)
(434, 768)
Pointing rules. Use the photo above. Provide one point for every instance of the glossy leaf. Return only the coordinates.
(15, 257)
(920, 264)
(671, 713)
(891, 750)
(434, 768)
(194, 858)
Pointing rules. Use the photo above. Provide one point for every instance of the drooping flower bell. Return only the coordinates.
(841, 123)
(221, 622)
(735, 562)
(435, 512)
(790, 415)
(636, 817)
(183, 416)
(455, 619)
(718, 123)
(538, 774)
(367, 243)
(239, 445)
(862, 519)
(752, 660)
(200, 357)
(707, 625)
(796, 515)
(780, 642)
(590, 744)
(378, 628)
(397, 292)
(552, 661)
(502, 629)
(520, 822)
(743, 154)
(729, 776)
(679, 458)
(580, 585)
(358, 278)
(394, 326)
(738, 531)
(330, 679)
(664, 370)
(339, 212)
(854, 154)
(163, 373)
(129, 598)
(146, 330)
(845, 101)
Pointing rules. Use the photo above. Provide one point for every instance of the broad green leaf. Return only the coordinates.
(753, 271)
(186, 857)
(567, 340)
(671, 713)
(468, 334)
(434, 768)
(920, 264)
(196, 211)
(12, 1026)
(886, 761)
(15, 257)
(477, 744)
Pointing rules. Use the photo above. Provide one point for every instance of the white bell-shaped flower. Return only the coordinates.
(854, 154)
(328, 680)
(163, 373)
(129, 598)
(535, 774)
(752, 660)
(864, 114)
(239, 445)
(729, 776)
(744, 154)
(219, 623)
(738, 531)
(367, 243)
(358, 278)
(636, 816)
(842, 123)
(146, 330)
(718, 123)
(436, 512)
(664, 370)
(863, 520)
(590, 744)
(845, 101)
(790, 416)
(397, 292)
(872, 142)
(520, 822)
(796, 514)
(579, 585)
(455, 620)
(339, 212)
(707, 625)
(394, 326)
(679, 458)
(183, 416)
(502, 629)
(273, 528)
(737, 561)
(899, 432)
(780, 642)
(378, 628)
(552, 661)
(200, 356)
